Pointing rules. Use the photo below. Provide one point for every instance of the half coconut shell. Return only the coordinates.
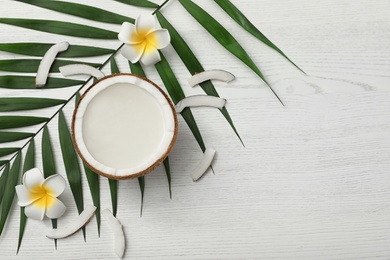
(124, 126)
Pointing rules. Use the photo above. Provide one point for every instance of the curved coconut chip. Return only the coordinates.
(119, 236)
(79, 69)
(75, 225)
(200, 101)
(221, 75)
(47, 61)
(204, 164)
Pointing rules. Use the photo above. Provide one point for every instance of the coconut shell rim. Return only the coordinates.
(151, 167)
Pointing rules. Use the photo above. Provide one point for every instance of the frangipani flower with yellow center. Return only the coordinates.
(143, 40)
(39, 195)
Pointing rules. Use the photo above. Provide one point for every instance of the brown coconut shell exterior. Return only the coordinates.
(154, 165)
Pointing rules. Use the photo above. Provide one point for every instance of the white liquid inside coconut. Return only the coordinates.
(123, 126)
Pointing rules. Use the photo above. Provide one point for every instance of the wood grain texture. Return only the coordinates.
(313, 181)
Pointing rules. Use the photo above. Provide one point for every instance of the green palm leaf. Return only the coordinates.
(84, 11)
(141, 183)
(114, 66)
(14, 136)
(176, 93)
(48, 163)
(93, 183)
(20, 121)
(63, 28)
(193, 65)
(29, 163)
(240, 18)
(114, 195)
(168, 173)
(71, 163)
(94, 187)
(8, 151)
(9, 191)
(1, 164)
(223, 37)
(39, 49)
(31, 65)
(140, 3)
(111, 182)
(29, 159)
(169, 79)
(23, 103)
(3, 180)
(28, 82)
(137, 69)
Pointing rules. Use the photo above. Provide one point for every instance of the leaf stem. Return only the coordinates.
(161, 6)
(63, 105)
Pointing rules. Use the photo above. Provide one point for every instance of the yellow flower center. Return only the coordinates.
(147, 42)
(41, 196)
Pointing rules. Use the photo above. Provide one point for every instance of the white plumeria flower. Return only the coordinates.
(143, 40)
(39, 195)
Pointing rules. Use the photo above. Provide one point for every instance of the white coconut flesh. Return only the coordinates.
(123, 126)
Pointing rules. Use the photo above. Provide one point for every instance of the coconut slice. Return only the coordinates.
(200, 101)
(221, 75)
(124, 126)
(204, 164)
(119, 236)
(75, 225)
(80, 69)
(47, 61)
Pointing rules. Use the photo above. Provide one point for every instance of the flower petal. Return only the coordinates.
(24, 197)
(55, 208)
(32, 179)
(54, 185)
(133, 52)
(145, 23)
(34, 211)
(150, 57)
(127, 30)
(160, 38)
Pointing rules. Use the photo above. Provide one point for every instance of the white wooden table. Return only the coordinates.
(313, 181)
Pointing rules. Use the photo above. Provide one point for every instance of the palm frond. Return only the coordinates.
(8, 151)
(168, 173)
(176, 93)
(141, 183)
(25, 103)
(71, 163)
(241, 19)
(6, 137)
(94, 187)
(69, 156)
(80, 10)
(223, 37)
(20, 121)
(114, 195)
(48, 164)
(140, 3)
(28, 82)
(29, 163)
(37, 49)
(3, 180)
(48, 158)
(193, 65)
(9, 191)
(62, 28)
(31, 65)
